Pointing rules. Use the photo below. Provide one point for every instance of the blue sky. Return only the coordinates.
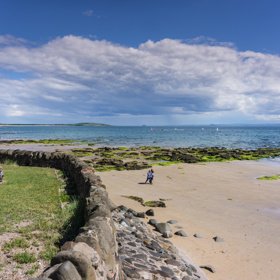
(134, 62)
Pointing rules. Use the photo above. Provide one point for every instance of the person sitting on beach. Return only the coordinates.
(148, 176)
(152, 176)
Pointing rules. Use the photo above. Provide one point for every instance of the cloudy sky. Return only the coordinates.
(134, 62)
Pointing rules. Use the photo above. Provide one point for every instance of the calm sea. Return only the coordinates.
(245, 137)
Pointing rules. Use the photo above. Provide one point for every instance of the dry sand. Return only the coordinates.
(215, 199)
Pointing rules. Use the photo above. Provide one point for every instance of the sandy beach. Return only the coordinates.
(214, 199)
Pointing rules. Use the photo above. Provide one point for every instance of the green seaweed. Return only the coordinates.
(268, 178)
(154, 203)
(136, 198)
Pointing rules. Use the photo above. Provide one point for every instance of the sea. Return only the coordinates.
(231, 137)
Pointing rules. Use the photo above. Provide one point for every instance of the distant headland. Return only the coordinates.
(68, 124)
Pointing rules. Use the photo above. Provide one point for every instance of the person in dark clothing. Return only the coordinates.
(152, 176)
(148, 176)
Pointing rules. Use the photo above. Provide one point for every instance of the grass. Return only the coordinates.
(25, 257)
(18, 242)
(30, 207)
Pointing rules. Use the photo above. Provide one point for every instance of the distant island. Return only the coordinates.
(69, 124)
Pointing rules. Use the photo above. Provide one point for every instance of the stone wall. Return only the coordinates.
(93, 253)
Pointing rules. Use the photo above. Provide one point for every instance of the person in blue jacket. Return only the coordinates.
(148, 176)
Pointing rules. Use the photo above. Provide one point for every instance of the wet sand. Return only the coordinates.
(215, 199)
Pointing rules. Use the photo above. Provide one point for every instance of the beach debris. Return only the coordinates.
(172, 222)
(181, 233)
(208, 267)
(196, 235)
(150, 212)
(218, 239)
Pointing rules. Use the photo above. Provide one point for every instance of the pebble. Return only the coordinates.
(181, 233)
(218, 239)
(197, 235)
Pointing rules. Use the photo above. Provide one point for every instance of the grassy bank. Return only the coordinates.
(37, 215)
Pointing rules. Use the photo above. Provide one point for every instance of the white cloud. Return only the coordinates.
(88, 13)
(9, 40)
(98, 78)
(13, 110)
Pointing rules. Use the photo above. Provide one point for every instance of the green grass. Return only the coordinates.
(25, 257)
(30, 206)
(29, 193)
(18, 242)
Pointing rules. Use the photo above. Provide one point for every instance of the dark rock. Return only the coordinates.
(193, 268)
(140, 256)
(218, 239)
(163, 273)
(141, 266)
(122, 207)
(153, 222)
(153, 245)
(167, 270)
(121, 234)
(130, 272)
(133, 244)
(172, 262)
(133, 212)
(158, 255)
(197, 235)
(181, 233)
(208, 267)
(150, 212)
(189, 271)
(129, 260)
(141, 214)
